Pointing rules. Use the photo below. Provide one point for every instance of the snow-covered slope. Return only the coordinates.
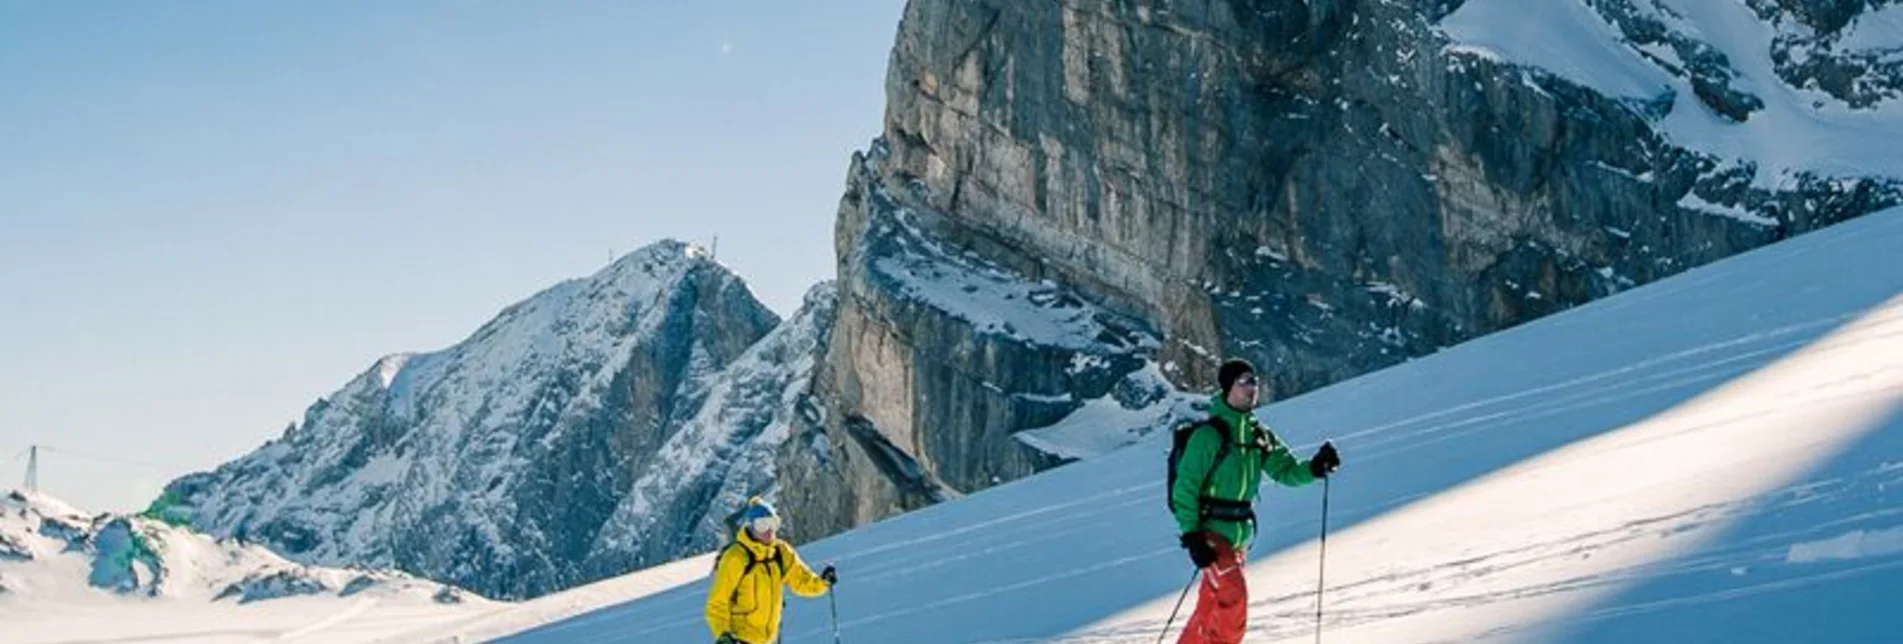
(1713, 457)
(67, 576)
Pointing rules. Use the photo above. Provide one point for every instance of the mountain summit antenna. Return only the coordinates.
(33, 469)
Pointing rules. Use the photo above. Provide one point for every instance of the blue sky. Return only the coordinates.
(213, 213)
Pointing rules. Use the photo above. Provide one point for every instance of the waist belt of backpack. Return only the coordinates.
(1225, 509)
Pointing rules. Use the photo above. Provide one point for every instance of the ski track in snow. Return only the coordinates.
(1395, 595)
(360, 607)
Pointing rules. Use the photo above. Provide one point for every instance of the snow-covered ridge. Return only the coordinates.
(49, 547)
(67, 576)
(994, 299)
(1722, 64)
(583, 313)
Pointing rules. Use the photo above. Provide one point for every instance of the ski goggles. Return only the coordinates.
(768, 523)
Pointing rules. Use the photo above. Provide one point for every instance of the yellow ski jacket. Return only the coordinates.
(746, 597)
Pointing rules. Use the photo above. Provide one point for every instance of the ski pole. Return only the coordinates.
(1321, 567)
(834, 600)
(1179, 605)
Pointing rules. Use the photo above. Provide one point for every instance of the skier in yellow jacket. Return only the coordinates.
(744, 605)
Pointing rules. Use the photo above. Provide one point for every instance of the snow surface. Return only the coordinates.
(1798, 130)
(1637, 469)
(993, 299)
(1856, 544)
(1105, 424)
(1562, 36)
(209, 591)
(1693, 201)
(1876, 30)
(569, 610)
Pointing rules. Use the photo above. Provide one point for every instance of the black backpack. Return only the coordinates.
(1180, 440)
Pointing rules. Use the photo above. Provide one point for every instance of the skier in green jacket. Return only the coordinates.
(1213, 497)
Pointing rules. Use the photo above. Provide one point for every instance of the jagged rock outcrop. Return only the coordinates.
(1325, 187)
(938, 359)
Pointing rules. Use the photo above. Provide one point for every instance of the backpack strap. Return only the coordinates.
(744, 572)
(1225, 444)
(753, 562)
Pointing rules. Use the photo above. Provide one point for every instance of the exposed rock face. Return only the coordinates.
(725, 452)
(123, 562)
(276, 584)
(1325, 187)
(14, 549)
(937, 360)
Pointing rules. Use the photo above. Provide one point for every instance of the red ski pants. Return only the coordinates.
(1222, 603)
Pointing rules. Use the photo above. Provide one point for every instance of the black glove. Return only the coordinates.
(830, 574)
(727, 638)
(1325, 461)
(1200, 552)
